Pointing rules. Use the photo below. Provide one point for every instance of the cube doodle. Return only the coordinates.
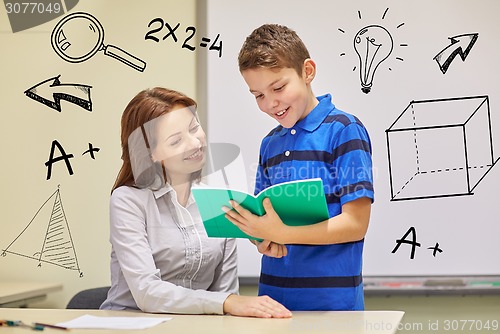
(440, 148)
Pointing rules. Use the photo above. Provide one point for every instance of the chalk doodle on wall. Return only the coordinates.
(373, 44)
(156, 31)
(50, 226)
(64, 157)
(51, 91)
(79, 36)
(440, 148)
(460, 45)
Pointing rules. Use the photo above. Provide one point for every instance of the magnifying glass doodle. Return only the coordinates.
(79, 36)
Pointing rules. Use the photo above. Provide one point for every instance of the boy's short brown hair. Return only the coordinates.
(273, 46)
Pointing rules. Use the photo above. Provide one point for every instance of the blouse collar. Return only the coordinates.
(167, 188)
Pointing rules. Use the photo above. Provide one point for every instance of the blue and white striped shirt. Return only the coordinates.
(334, 146)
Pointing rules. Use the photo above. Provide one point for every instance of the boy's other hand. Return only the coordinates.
(271, 249)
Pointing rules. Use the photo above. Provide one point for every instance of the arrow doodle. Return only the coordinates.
(460, 45)
(51, 91)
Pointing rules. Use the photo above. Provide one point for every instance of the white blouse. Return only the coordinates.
(163, 262)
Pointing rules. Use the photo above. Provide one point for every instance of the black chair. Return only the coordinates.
(90, 299)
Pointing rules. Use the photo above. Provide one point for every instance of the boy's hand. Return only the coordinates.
(271, 249)
(267, 227)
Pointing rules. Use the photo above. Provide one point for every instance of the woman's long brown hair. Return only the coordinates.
(144, 107)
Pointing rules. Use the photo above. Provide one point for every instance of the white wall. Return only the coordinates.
(29, 127)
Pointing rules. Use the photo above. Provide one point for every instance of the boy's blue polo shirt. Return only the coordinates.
(335, 146)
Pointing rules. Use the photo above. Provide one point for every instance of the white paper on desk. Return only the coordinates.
(94, 322)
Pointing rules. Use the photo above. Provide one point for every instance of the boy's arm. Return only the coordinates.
(350, 225)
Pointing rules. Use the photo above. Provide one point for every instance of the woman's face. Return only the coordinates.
(181, 143)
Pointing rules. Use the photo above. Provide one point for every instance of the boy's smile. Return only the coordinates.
(281, 114)
(282, 93)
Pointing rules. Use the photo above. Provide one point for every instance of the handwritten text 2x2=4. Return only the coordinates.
(157, 25)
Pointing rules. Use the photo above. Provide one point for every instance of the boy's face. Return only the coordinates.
(282, 93)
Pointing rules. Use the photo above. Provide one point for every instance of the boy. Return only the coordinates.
(320, 266)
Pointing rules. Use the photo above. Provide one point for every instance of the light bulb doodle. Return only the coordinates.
(373, 44)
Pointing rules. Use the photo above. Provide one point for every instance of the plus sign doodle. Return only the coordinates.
(91, 151)
(435, 249)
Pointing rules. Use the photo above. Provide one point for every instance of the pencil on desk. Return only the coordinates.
(49, 326)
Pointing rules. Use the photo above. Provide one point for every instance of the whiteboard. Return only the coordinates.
(433, 114)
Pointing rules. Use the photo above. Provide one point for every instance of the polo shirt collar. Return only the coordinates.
(314, 119)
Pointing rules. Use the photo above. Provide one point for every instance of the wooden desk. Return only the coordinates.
(19, 294)
(379, 322)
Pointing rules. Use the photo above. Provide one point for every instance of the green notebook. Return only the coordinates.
(297, 203)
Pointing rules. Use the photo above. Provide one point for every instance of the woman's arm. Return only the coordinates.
(130, 242)
(226, 273)
(226, 279)
(151, 294)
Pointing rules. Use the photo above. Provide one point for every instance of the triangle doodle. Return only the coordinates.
(56, 246)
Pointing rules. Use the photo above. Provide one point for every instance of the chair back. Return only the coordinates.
(90, 299)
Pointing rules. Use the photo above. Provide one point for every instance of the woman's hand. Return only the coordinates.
(259, 307)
